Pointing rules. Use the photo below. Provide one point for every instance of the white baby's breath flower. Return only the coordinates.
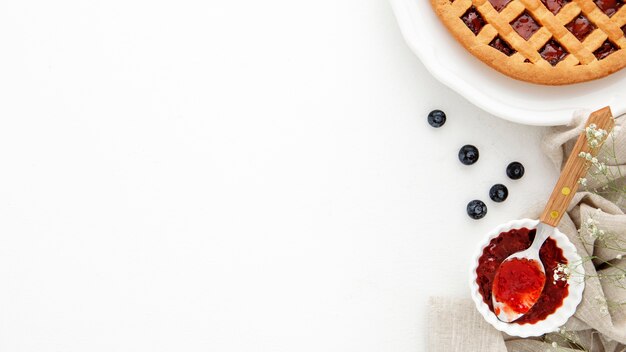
(601, 301)
(561, 273)
(591, 226)
(594, 135)
(555, 345)
(619, 256)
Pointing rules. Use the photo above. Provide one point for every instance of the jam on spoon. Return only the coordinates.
(517, 286)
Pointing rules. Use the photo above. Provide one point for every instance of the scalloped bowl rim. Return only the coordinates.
(554, 320)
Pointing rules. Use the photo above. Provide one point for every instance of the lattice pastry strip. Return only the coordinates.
(538, 41)
(501, 23)
(563, 36)
(608, 26)
(620, 18)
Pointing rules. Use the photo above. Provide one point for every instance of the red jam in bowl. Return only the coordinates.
(507, 243)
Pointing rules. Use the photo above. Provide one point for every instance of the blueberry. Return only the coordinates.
(437, 118)
(476, 209)
(498, 193)
(515, 170)
(468, 154)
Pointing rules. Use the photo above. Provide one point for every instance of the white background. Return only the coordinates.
(234, 176)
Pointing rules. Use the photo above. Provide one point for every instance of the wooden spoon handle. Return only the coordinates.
(575, 168)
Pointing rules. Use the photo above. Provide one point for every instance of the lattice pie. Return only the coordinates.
(541, 41)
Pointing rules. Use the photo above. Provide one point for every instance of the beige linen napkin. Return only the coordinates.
(456, 325)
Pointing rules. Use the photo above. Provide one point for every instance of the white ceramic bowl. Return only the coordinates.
(490, 90)
(553, 321)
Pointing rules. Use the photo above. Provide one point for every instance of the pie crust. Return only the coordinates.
(551, 42)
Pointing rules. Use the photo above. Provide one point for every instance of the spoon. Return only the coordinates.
(520, 278)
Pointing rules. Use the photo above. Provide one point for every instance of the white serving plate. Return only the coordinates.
(490, 90)
(555, 320)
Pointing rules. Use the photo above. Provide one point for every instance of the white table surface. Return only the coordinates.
(234, 176)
